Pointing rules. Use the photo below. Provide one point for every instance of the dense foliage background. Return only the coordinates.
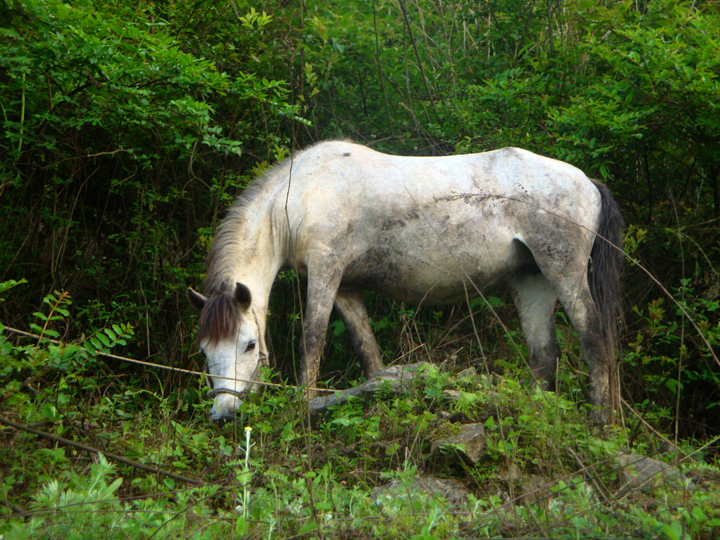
(128, 127)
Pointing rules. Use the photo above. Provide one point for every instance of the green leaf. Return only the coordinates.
(104, 339)
(90, 347)
(311, 526)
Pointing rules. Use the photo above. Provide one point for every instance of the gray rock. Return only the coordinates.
(469, 373)
(535, 489)
(468, 446)
(541, 491)
(452, 396)
(511, 474)
(450, 489)
(646, 474)
(394, 379)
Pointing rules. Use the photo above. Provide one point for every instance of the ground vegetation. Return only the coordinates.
(129, 127)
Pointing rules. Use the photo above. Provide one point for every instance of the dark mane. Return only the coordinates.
(219, 318)
(233, 243)
(226, 245)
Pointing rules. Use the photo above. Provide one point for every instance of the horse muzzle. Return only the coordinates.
(226, 402)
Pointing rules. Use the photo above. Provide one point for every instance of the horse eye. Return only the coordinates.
(250, 346)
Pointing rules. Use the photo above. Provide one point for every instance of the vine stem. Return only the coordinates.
(161, 366)
(380, 73)
(22, 115)
(419, 61)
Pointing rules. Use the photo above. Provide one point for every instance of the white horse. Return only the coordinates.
(422, 230)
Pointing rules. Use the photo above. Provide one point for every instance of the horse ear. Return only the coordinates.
(242, 295)
(197, 300)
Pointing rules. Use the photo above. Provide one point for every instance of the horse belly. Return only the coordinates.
(435, 262)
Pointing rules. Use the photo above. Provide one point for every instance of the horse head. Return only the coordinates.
(229, 336)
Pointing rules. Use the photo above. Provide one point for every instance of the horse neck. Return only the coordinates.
(248, 252)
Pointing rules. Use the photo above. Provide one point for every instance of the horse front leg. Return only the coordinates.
(322, 289)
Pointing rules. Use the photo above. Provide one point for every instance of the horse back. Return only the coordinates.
(409, 226)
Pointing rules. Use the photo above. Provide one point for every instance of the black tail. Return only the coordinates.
(606, 260)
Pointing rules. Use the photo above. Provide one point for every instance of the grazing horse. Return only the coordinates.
(422, 230)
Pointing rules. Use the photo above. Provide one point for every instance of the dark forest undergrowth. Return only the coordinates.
(544, 469)
(129, 127)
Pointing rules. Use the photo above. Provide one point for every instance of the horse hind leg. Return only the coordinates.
(585, 317)
(562, 254)
(535, 301)
(350, 305)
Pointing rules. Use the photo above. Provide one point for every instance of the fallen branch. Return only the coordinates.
(18, 511)
(61, 440)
